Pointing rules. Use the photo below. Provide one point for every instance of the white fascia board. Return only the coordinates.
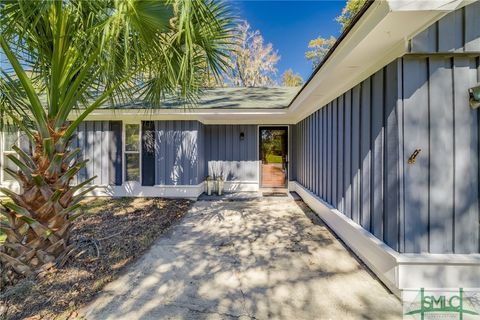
(378, 38)
(374, 15)
(427, 5)
(206, 116)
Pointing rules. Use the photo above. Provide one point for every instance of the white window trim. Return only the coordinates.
(124, 151)
(4, 153)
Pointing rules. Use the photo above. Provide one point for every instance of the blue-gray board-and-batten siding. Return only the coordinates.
(458, 31)
(353, 153)
(230, 156)
(174, 152)
(101, 143)
(179, 153)
(441, 190)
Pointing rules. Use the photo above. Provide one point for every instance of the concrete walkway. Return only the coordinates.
(265, 258)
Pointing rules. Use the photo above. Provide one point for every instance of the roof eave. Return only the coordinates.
(377, 36)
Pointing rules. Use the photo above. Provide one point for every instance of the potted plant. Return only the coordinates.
(210, 185)
(220, 184)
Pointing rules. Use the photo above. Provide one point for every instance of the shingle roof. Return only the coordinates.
(229, 98)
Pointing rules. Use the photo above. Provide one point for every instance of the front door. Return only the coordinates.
(274, 156)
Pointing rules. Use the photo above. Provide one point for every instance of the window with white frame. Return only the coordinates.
(132, 152)
(9, 139)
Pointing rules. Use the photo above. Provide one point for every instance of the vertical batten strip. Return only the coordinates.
(347, 154)
(355, 179)
(334, 153)
(341, 160)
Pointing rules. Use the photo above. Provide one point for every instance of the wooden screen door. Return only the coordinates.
(274, 156)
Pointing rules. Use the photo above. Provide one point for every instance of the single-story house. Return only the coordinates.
(381, 142)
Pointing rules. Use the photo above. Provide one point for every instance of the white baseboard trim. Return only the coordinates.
(401, 273)
(133, 189)
(241, 186)
(162, 191)
(170, 191)
(291, 185)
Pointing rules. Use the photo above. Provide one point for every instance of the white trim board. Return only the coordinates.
(399, 272)
(241, 186)
(134, 189)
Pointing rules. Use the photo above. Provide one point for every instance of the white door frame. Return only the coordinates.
(258, 152)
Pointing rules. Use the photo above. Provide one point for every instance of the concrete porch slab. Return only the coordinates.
(265, 258)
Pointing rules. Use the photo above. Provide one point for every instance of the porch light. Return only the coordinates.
(242, 136)
(474, 94)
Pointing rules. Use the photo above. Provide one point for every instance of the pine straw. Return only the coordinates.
(112, 234)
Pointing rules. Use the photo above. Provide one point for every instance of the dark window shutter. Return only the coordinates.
(115, 167)
(148, 153)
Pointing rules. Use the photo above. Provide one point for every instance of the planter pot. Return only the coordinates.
(220, 186)
(210, 185)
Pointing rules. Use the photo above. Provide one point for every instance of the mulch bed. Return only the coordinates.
(113, 233)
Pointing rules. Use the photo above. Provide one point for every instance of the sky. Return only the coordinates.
(290, 25)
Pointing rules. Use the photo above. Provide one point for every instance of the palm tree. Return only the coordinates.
(67, 58)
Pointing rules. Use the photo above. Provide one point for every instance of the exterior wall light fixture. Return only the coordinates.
(474, 97)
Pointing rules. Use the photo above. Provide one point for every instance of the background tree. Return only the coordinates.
(320, 47)
(68, 58)
(252, 64)
(290, 79)
(349, 11)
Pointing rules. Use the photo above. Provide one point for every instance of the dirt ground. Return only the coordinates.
(112, 234)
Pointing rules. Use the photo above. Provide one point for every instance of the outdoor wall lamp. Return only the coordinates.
(242, 136)
(474, 94)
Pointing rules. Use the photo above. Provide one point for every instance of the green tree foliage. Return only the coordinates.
(349, 11)
(320, 46)
(67, 59)
(291, 79)
(319, 49)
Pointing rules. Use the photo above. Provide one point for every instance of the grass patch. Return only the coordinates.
(271, 158)
(122, 228)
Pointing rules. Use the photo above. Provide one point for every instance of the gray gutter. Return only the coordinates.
(355, 19)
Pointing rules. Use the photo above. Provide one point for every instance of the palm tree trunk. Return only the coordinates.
(39, 218)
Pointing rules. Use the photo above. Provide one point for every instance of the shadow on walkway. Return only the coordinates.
(268, 258)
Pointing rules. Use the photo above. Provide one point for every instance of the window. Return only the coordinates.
(132, 152)
(9, 139)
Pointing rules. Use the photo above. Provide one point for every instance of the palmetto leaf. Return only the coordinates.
(69, 58)
(35, 105)
(27, 171)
